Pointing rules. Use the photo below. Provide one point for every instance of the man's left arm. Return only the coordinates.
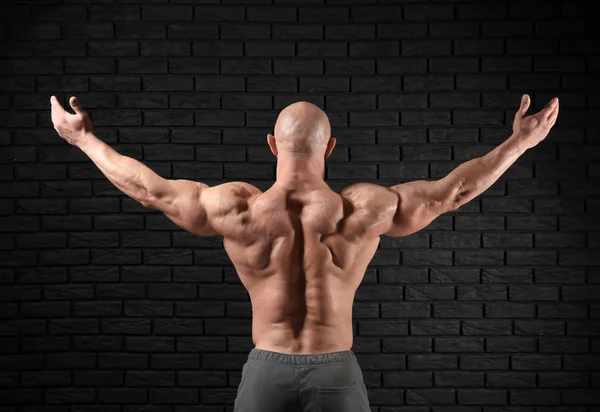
(191, 205)
(179, 200)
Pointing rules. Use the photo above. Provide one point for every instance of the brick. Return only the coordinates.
(460, 344)
(429, 152)
(434, 327)
(427, 396)
(374, 154)
(296, 32)
(486, 327)
(193, 65)
(321, 49)
(454, 29)
(122, 83)
(534, 327)
(210, 83)
(508, 240)
(484, 362)
(91, 65)
(457, 310)
(425, 118)
(266, 48)
(168, 118)
(367, 119)
(407, 379)
(245, 66)
(425, 47)
(219, 118)
(219, 13)
(140, 30)
(221, 48)
(88, 31)
(121, 395)
(59, 49)
(37, 66)
(324, 14)
(114, 12)
(164, 13)
(509, 310)
(201, 344)
(349, 31)
(531, 46)
(142, 65)
(271, 84)
(316, 84)
(364, 84)
(376, 14)
(511, 379)
(507, 28)
(454, 275)
(380, 48)
(482, 396)
(514, 257)
(164, 48)
(299, 67)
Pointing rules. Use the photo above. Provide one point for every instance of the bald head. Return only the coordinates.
(302, 128)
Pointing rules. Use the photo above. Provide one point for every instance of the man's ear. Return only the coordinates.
(330, 146)
(272, 143)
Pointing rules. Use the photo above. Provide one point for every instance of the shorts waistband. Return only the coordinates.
(295, 359)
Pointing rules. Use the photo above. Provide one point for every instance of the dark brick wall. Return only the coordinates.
(107, 306)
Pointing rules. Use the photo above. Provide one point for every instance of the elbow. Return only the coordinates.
(458, 196)
(453, 205)
(147, 202)
(147, 199)
(447, 205)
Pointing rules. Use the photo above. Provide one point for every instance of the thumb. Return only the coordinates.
(75, 105)
(525, 101)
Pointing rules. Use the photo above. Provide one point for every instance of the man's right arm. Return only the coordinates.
(420, 202)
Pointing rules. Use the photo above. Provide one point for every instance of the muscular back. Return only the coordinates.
(301, 255)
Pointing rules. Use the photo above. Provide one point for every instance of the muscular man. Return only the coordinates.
(300, 248)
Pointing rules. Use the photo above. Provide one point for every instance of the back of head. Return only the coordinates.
(302, 129)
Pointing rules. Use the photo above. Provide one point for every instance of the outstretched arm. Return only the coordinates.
(420, 202)
(194, 206)
(409, 207)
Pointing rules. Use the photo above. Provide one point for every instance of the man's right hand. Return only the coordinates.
(74, 128)
(531, 130)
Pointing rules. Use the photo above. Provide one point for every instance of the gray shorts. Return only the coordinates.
(280, 382)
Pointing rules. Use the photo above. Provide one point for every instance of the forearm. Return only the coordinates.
(129, 175)
(473, 177)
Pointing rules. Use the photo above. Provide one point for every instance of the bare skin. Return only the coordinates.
(301, 249)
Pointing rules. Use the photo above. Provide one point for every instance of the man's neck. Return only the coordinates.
(300, 171)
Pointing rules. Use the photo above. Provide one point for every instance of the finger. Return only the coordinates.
(546, 111)
(525, 101)
(553, 116)
(57, 109)
(75, 105)
(554, 109)
(55, 104)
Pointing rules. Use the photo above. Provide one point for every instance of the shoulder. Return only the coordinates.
(368, 209)
(230, 194)
(364, 194)
(242, 188)
(227, 205)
